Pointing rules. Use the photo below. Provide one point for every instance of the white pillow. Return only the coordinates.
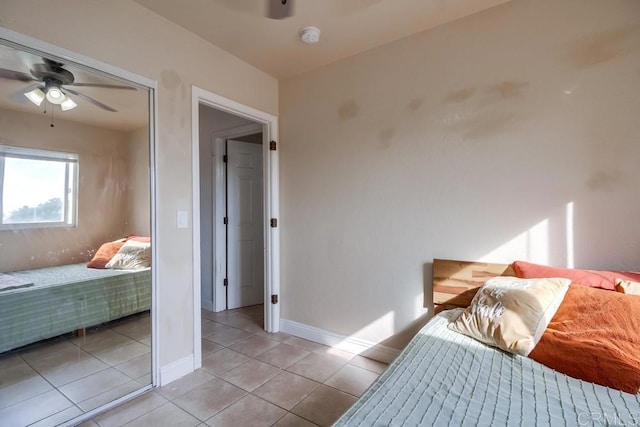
(132, 255)
(627, 287)
(511, 313)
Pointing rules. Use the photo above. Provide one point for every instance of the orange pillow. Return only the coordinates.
(594, 336)
(591, 278)
(105, 253)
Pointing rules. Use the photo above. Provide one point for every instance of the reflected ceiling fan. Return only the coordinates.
(53, 85)
(279, 9)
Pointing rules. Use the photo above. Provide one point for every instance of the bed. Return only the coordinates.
(58, 300)
(445, 378)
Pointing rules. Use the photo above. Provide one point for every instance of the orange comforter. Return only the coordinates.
(595, 336)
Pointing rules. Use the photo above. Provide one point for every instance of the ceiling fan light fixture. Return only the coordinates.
(36, 96)
(51, 77)
(55, 95)
(279, 9)
(68, 104)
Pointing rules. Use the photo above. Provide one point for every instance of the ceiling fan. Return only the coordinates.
(279, 9)
(53, 85)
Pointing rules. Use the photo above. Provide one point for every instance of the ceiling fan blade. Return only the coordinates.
(279, 9)
(102, 85)
(15, 75)
(32, 87)
(91, 100)
(18, 96)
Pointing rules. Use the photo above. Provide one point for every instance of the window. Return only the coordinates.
(38, 188)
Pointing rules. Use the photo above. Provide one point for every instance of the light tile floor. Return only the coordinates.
(53, 381)
(252, 378)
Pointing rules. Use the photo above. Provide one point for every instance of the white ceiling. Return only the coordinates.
(348, 27)
(131, 105)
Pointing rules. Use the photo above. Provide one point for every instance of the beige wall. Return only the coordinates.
(475, 140)
(128, 36)
(138, 194)
(102, 191)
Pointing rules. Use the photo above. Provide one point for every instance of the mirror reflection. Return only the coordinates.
(75, 239)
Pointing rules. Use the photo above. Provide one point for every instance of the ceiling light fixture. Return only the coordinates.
(310, 35)
(36, 96)
(68, 104)
(52, 92)
(55, 94)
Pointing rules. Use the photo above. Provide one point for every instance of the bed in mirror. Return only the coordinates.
(75, 238)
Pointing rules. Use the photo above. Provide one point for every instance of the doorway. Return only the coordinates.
(232, 220)
(243, 193)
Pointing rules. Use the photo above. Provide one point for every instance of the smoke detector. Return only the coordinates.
(310, 35)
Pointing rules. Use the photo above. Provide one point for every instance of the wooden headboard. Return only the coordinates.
(456, 282)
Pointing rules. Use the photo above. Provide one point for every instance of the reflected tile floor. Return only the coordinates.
(53, 381)
(252, 378)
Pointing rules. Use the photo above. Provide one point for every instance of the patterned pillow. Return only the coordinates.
(511, 313)
(132, 255)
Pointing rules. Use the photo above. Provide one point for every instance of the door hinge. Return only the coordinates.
(274, 222)
(225, 158)
(273, 146)
(225, 221)
(225, 282)
(274, 299)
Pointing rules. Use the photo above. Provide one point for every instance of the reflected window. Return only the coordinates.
(38, 188)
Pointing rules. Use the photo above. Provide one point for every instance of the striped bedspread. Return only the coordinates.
(68, 297)
(444, 378)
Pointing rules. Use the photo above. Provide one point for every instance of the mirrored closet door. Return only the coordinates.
(75, 238)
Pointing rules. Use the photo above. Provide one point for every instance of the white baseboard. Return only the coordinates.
(176, 370)
(369, 349)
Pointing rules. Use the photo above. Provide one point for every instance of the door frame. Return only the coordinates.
(219, 203)
(269, 124)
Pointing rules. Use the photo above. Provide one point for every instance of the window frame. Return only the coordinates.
(69, 205)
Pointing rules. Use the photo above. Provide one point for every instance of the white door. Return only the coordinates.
(245, 268)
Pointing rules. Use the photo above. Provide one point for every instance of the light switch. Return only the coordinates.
(182, 219)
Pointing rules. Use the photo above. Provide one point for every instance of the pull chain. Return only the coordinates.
(45, 112)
